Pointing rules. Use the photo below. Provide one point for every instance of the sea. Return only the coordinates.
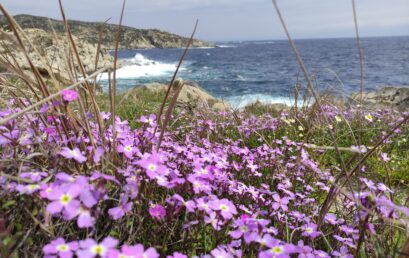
(243, 72)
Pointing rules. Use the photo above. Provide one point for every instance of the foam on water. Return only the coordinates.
(140, 66)
(240, 102)
(225, 46)
(193, 48)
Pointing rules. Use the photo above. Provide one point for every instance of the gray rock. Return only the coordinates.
(50, 53)
(191, 95)
(388, 96)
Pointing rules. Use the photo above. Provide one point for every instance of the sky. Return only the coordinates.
(224, 20)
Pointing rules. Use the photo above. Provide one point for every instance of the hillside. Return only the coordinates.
(131, 38)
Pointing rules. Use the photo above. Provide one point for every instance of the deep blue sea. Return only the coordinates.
(246, 71)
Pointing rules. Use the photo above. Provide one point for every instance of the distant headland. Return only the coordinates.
(88, 32)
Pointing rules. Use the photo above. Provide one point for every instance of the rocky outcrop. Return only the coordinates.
(88, 32)
(50, 53)
(191, 95)
(388, 96)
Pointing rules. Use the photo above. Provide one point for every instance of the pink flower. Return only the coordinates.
(137, 251)
(69, 95)
(90, 248)
(118, 212)
(280, 202)
(226, 208)
(384, 157)
(61, 248)
(157, 211)
(127, 148)
(73, 154)
(65, 200)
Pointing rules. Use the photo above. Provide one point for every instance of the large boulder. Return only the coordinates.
(388, 96)
(191, 95)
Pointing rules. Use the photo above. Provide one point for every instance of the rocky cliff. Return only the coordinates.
(49, 53)
(131, 38)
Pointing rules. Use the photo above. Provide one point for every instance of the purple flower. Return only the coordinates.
(127, 148)
(319, 253)
(61, 248)
(73, 154)
(98, 154)
(177, 255)
(310, 230)
(221, 252)
(384, 157)
(85, 220)
(213, 220)
(118, 212)
(277, 250)
(157, 211)
(44, 108)
(64, 200)
(150, 120)
(304, 251)
(226, 208)
(152, 166)
(343, 252)
(90, 248)
(69, 95)
(136, 251)
(203, 205)
(332, 219)
(246, 227)
(280, 202)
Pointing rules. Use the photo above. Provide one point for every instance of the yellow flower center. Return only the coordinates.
(152, 167)
(338, 119)
(98, 249)
(309, 230)
(369, 117)
(65, 199)
(63, 248)
(244, 229)
(277, 250)
(224, 207)
(128, 148)
(73, 153)
(33, 187)
(49, 190)
(160, 179)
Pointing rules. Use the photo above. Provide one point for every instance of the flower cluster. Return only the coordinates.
(111, 193)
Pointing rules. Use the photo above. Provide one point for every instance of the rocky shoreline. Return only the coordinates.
(387, 96)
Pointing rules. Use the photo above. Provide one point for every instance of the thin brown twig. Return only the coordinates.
(360, 50)
(113, 88)
(309, 81)
(175, 74)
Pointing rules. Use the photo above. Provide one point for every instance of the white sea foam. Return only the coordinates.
(244, 100)
(140, 66)
(201, 48)
(225, 46)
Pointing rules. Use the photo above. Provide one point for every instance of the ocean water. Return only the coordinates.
(247, 71)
